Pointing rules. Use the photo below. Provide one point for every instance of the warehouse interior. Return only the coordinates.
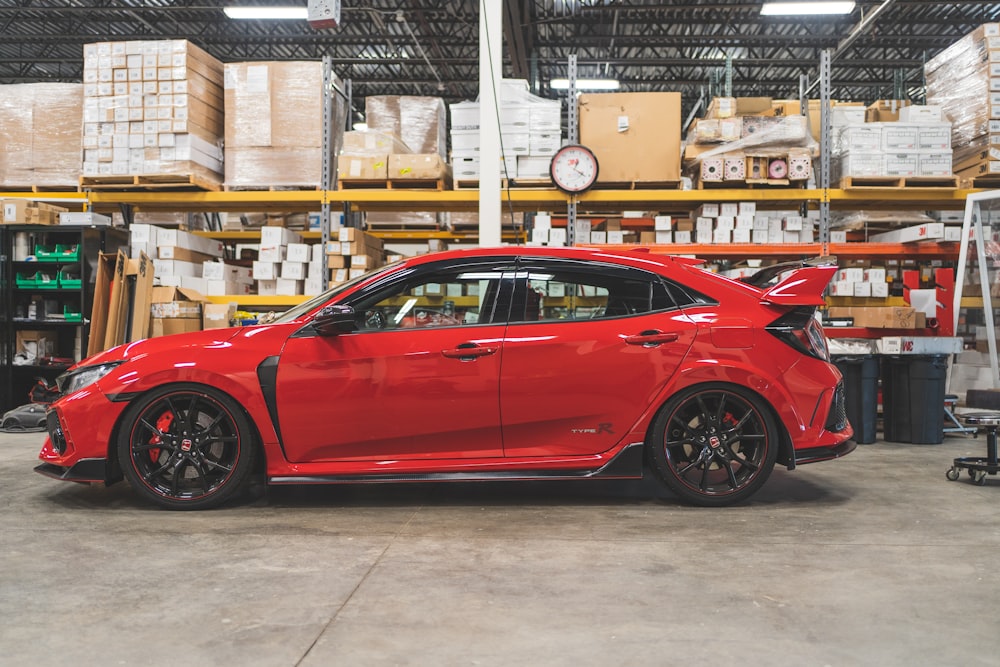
(166, 168)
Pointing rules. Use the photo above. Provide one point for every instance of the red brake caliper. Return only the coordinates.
(162, 425)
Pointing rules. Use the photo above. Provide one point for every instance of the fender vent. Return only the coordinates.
(837, 421)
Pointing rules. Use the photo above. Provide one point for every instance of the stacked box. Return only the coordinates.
(419, 122)
(636, 136)
(29, 212)
(365, 155)
(40, 134)
(530, 134)
(274, 124)
(920, 147)
(222, 279)
(353, 254)
(962, 80)
(178, 255)
(152, 107)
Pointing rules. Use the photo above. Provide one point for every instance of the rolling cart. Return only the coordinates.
(979, 466)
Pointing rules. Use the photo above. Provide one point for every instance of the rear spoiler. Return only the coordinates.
(803, 286)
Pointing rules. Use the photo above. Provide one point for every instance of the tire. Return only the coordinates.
(186, 447)
(714, 444)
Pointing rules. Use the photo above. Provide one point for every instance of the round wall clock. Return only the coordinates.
(574, 168)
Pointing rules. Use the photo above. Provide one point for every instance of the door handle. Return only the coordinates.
(468, 352)
(652, 338)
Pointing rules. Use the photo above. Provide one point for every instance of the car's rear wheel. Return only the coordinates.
(714, 444)
(186, 447)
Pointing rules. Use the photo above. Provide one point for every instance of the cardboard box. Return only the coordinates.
(363, 167)
(217, 315)
(176, 303)
(877, 317)
(635, 136)
(417, 166)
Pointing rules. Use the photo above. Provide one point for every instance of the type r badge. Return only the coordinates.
(601, 428)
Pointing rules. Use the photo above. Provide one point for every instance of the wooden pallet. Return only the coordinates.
(982, 182)
(271, 188)
(637, 185)
(150, 182)
(39, 188)
(751, 184)
(393, 184)
(856, 182)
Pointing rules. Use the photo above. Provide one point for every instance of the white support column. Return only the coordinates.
(490, 74)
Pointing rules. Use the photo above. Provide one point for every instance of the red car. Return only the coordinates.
(513, 363)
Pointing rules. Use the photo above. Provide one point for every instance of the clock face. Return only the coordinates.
(573, 168)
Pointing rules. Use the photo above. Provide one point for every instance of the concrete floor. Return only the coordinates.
(876, 559)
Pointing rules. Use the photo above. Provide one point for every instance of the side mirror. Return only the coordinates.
(334, 320)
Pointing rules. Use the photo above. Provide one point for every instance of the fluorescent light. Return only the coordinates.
(280, 13)
(586, 84)
(806, 8)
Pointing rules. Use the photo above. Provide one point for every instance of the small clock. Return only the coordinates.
(574, 168)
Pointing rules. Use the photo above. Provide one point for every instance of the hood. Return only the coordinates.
(146, 346)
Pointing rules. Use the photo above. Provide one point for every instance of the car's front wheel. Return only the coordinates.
(186, 447)
(714, 444)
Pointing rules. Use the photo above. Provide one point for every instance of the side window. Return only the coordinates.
(446, 299)
(573, 295)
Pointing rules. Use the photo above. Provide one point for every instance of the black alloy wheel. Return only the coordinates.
(714, 445)
(186, 447)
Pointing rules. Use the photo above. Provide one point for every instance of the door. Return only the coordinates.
(588, 348)
(418, 379)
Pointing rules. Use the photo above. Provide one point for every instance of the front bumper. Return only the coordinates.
(85, 470)
(814, 454)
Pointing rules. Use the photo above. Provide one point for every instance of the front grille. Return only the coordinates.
(56, 434)
(837, 420)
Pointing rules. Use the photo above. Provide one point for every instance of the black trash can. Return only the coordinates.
(861, 393)
(913, 398)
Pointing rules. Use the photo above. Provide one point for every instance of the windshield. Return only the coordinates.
(306, 306)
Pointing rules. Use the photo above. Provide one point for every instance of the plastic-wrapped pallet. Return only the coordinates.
(959, 82)
(40, 134)
(274, 124)
(420, 122)
(152, 108)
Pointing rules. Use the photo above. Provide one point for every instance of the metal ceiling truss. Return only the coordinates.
(429, 47)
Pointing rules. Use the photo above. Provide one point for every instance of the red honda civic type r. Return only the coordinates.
(512, 363)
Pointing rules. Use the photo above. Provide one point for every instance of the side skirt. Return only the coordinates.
(628, 464)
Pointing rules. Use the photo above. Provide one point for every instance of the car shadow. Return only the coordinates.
(782, 489)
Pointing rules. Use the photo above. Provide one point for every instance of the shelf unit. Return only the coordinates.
(43, 307)
(594, 202)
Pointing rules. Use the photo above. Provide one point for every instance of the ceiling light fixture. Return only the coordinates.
(818, 7)
(586, 84)
(273, 13)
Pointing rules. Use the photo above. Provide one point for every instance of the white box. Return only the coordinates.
(793, 223)
(85, 218)
(298, 252)
(557, 236)
(874, 275)
(272, 236)
(682, 237)
(312, 286)
(726, 222)
(664, 237)
(899, 137)
(919, 345)
(722, 236)
(741, 235)
(267, 287)
(707, 211)
(916, 113)
(880, 289)
(901, 164)
(176, 267)
(853, 275)
(202, 244)
(744, 221)
(838, 236)
(924, 232)
(842, 288)
(938, 163)
(287, 287)
(865, 137)
(730, 209)
(759, 236)
(934, 136)
(863, 289)
(265, 270)
(616, 237)
(953, 234)
(272, 253)
(662, 223)
(747, 208)
(703, 236)
(598, 237)
(293, 270)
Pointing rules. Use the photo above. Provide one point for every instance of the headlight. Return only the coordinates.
(81, 377)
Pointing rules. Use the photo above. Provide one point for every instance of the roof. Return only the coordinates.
(430, 47)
